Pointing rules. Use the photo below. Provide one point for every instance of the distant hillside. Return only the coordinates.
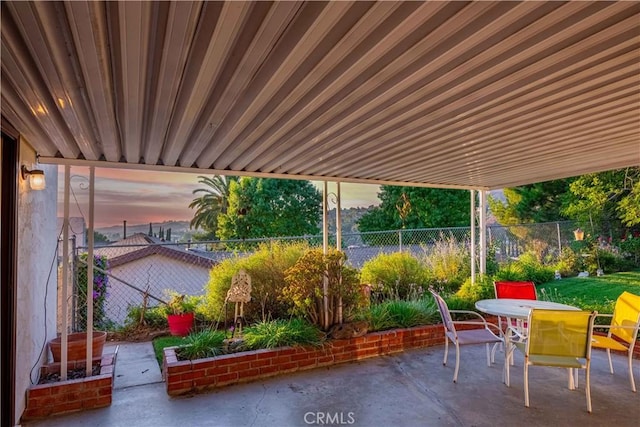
(349, 219)
(179, 230)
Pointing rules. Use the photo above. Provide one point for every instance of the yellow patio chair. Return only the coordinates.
(623, 330)
(559, 338)
(481, 335)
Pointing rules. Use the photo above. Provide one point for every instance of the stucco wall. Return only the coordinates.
(37, 275)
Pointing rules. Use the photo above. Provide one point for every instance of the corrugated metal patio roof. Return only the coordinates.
(451, 94)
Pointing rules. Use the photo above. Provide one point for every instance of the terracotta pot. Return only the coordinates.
(180, 324)
(77, 345)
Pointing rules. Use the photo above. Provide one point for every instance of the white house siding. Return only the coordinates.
(159, 273)
(36, 277)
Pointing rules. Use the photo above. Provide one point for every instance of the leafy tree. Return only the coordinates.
(629, 206)
(416, 207)
(606, 202)
(540, 202)
(99, 237)
(262, 207)
(213, 201)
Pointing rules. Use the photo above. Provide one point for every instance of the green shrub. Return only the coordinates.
(179, 304)
(266, 267)
(378, 316)
(608, 259)
(455, 302)
(569, 263)
(630, 248)
(402, 314)
(305, 284)
(526, 268)
(391, 275)
(482, 289)
(153, 317)
(449, 262)
(206, 343)
(282, 333)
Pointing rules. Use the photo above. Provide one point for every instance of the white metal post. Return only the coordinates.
(473, 236)
(65, 275)
(325, 222)
(483, 232)
(325, 248)
(338, 218)
(89, 361)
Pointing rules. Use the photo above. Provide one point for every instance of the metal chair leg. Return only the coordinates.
(446, 350)
(526, 384)
(455, 374)
(633, 383)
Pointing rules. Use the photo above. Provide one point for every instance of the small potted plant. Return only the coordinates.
(180, 315)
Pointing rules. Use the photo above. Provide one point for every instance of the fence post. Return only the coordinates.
(559, 241)
(400, 240)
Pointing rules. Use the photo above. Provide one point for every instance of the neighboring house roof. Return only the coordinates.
(140, 246)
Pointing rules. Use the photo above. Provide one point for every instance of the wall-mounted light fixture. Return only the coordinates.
(34, 176)
(578, 234)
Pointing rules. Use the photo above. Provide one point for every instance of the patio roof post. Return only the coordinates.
(338, 218)
(89, 361)
(472, 248)
(65, 274)
(325, 222)
(325, 248)
(483, 232)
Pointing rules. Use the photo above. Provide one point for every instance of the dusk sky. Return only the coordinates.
(140, 197)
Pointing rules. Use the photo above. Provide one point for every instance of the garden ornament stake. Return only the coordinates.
(239, 293)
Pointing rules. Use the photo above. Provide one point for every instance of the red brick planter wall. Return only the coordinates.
(193, 376)
(203, 374)
(62, 397)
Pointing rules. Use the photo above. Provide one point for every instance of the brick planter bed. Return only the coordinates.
(200, 375)
(193, 376)
(62, 397)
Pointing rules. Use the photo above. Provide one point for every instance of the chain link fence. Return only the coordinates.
(145, 268)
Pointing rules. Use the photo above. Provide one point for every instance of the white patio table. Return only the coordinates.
(517, 308)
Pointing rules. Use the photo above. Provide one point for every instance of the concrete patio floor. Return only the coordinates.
(407, 389)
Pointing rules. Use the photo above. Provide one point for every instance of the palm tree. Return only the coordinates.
(213, 202)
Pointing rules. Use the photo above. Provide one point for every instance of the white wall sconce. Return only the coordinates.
(34, 176)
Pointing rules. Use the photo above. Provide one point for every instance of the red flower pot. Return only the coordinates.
(180, 324)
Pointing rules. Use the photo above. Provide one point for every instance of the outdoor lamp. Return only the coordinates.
(34, 176)
(578, 234)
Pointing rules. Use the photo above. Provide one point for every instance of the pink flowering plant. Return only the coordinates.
(100, 291)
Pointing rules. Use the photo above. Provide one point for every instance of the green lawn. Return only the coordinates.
(591, 293)
(162, 342)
